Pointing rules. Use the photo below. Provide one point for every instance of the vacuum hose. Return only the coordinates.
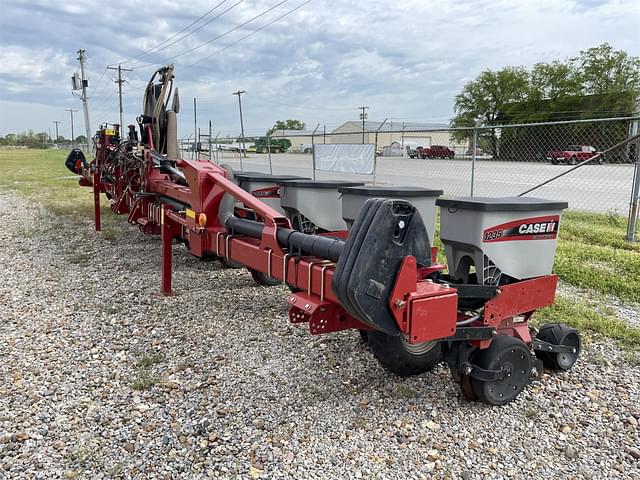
(294, 241)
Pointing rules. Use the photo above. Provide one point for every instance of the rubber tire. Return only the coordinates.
(392, 354)
(264, 150)
(559, 334)
(572, 161)
(263, 279)
(554, 162)
(489, 359)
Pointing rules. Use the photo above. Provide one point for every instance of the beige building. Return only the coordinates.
(405, 133)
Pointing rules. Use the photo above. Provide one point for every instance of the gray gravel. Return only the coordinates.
(102, 377)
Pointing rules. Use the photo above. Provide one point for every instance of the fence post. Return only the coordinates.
(313, 148)
(635, 199)
(473, 158)
(269, 150)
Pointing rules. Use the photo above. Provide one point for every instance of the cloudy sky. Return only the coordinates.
(406, 60)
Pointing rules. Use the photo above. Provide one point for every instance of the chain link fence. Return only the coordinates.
(595, 161)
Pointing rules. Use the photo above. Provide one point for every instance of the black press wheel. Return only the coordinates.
(398, 356)
(263, 279)
(559, 334)
(510, 355)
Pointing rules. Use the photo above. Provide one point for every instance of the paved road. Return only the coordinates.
(597, 188)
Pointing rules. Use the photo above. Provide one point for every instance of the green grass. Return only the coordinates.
(593, 253)
(587, 315)
(41, 176)
(144, 382)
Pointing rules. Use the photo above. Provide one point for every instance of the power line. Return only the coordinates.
(151, 50)
(166, 60)
(252, 33)
(197, 29)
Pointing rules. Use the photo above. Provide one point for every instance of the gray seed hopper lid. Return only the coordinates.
(404, 192)
(501, 204)
(319, 183)
(264, 177)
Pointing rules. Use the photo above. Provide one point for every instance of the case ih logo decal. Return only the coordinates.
(537, 228)
(269, 192)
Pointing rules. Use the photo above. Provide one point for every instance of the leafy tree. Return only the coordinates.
(286, 125)
(486, 98)
(81, 139)
(551, 81)
(605, 70)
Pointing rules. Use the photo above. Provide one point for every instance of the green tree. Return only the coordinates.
(81, 139)
(485, 99)
(286, 125)
(552, 81)
(604, 70)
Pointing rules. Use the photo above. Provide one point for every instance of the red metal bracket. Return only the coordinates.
(323, 316)
(520, 298)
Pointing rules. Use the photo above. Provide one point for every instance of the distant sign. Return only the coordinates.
(345, 157)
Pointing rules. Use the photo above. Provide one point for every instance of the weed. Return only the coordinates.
(407, 392)
(144, 382)
(614, 218)
(146, 362)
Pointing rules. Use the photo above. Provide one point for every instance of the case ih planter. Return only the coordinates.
(423, 199)
(314, 206)
(382, 279)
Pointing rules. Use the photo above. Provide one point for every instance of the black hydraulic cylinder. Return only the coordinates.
(316, 245)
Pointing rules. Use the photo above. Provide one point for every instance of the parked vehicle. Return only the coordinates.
(435, 151)
(574, 154)
(413, 152)
(277, 145)
(301, 148)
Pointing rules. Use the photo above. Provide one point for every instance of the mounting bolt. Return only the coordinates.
(494, 333)
(292, 299)
(401, 303)
(307, 306)
(468, 369)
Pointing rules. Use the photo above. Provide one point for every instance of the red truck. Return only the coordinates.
(574, 154)
(434, 151)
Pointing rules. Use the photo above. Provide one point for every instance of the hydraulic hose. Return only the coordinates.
(316, 245)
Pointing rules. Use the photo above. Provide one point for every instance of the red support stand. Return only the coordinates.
(96, 201)
(167, 239)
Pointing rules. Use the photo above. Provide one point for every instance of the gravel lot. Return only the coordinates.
(103, 378)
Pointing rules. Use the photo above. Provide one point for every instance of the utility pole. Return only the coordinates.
(56, 122)
(120, 81)
(195, 127)
(238, 93)
(71, 111)
(363, 117)
(83, 97)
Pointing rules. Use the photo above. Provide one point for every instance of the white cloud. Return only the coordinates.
(404, 59)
